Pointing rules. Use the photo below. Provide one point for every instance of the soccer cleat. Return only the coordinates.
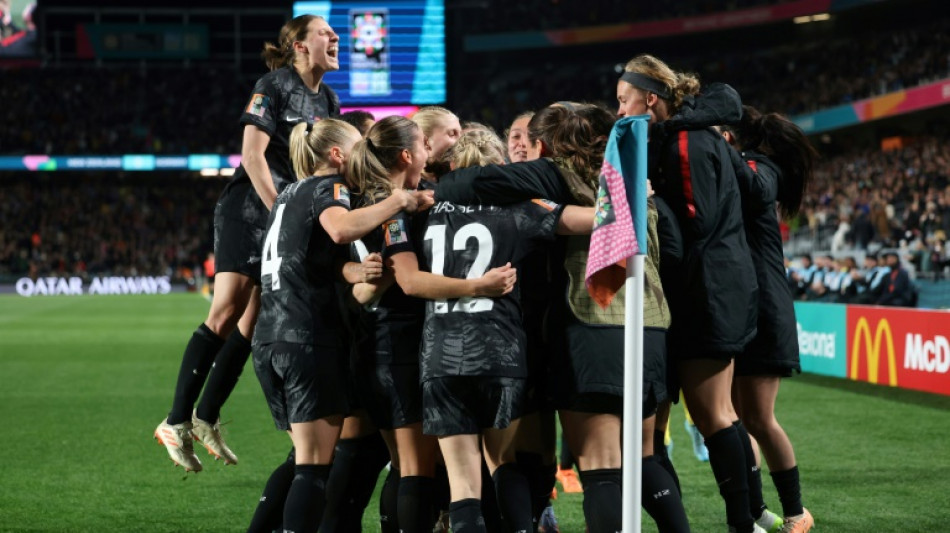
(569, 481)
(178, 442)
(798, 524)
(770, 522)
(699, 446)
(548, 522)
(210, 437)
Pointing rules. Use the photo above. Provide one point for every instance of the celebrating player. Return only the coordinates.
(290, 94)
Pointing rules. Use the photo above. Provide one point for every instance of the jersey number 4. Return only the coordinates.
(270, 263)
(482, 259)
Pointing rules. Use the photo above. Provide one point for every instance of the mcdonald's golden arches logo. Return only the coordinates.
(862, 332)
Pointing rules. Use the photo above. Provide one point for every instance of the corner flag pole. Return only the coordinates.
(633, 339)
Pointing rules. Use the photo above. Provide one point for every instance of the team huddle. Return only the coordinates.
(413, 294)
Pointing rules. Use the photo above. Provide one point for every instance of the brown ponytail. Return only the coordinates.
(376, 156)
(784, 143)
(282, 54)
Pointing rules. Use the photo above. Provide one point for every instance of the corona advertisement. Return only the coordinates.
(904, 348)
(822, 338)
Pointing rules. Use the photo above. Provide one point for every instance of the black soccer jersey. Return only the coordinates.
(298, 296)
(280, 101)
(479, 336)
(389, 239)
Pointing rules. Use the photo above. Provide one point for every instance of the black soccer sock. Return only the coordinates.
(566, 461)
(514, 498)
(356, 466)
(415, 504)
(466, 516)
(491, 513)
(541, 479)
(661, 499)
(199, 355)
(756, 500)
(603, 505)
(727, 459)
(227, 368)
(306, 499)
(789, 491)
(270, 509)
(663, 458)
(389, 502)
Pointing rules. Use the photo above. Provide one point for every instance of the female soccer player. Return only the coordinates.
(474, 364)
(391, 157)
(715, 301)
(588, 372)
(292, 93)
(298, 350)
(775, 167)
(518, 138)
(441, 129)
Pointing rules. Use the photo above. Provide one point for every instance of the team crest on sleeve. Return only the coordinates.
(341, 193)
(395, 232)
(547, 204)
(258, 105)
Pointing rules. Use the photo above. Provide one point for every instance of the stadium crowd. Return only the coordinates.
(817, 73)
(72, 225)
(503, 16)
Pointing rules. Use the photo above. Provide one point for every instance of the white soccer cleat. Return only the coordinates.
(770, 522)
(178, 442)
(210, 437)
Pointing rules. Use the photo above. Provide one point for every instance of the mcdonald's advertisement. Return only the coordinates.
(903, 348)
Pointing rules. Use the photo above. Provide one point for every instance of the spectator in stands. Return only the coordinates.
(868, 283)
(898, 290)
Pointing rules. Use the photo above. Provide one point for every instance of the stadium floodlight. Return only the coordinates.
(209, 172)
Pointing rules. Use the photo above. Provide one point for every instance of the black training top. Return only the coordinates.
(298, 297)
(479, 336)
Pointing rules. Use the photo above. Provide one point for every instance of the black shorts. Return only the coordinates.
(301, 383)
(588, 375)
(465, 405)
(391, 394)
(240, 220)
(749, 364)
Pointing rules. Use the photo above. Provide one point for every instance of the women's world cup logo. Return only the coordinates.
(369, 34)
(369, 53)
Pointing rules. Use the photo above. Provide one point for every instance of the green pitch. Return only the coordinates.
(85, 380)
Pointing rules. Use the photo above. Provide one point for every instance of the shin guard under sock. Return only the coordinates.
(270, 509)
(541, 479)
(306, 499)
(756, 500)
(789, 491)
(466, 516)
(603, 505)
(514, 498)
(415, 504)
(727, 459)
(199, 355)
(663, 458)
(389, 502)
(227, 368)
(356, 467)
(661, 499)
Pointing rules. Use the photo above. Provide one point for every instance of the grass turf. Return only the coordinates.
(85, 380)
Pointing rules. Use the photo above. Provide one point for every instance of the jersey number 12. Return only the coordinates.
(270, 263)
(482, 259)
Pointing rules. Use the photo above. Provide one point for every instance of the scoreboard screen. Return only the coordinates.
(391, 51)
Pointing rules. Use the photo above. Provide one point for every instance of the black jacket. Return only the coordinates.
(691, 169)
(776, 343)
